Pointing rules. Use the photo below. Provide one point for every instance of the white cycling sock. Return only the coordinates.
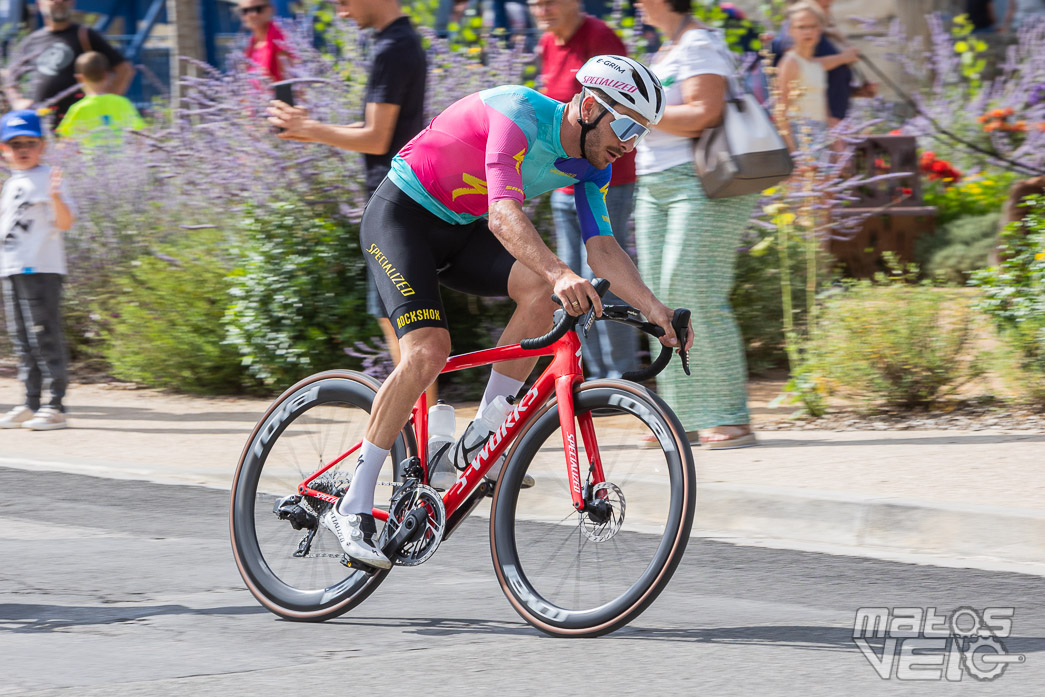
(499, 386)
(360, 496)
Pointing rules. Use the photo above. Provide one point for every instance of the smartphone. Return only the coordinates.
(284, 92)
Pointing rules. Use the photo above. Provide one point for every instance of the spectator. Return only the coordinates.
(836, 58)
(100, 117)
(687, 243)
(982, 15)
(47, 56)
(570, 38)
(35, 209)
(1022, 12)
(267, 48)
(803, 80)
(393, 114)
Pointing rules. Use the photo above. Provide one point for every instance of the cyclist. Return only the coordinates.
(450, 212)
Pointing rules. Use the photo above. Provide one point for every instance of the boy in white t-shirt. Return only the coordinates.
(34, 212)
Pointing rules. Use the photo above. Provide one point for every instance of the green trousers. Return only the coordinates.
(687, 248)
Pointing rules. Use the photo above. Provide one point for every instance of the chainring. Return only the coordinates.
(408, 498)
(605, 516)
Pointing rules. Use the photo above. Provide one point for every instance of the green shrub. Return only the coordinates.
(758, 303)
(299, 292)
(893, 344)
(958, 248)
(1014, 292)
(168, 332)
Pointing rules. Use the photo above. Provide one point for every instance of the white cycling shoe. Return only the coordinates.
(353, 540)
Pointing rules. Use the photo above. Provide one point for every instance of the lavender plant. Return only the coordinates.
(209, 166)
(952, 92)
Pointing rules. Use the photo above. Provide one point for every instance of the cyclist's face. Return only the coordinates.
(603, 146)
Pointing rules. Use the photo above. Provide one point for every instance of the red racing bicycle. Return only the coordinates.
(582, 553)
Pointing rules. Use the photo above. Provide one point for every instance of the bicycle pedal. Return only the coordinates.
(351, 563)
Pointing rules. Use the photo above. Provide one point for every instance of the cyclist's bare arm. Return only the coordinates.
(513, 228)
(609, 261)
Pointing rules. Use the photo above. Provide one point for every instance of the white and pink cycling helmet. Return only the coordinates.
(627, 82)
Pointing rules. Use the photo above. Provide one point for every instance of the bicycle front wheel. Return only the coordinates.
(587, 573)
(289, 562)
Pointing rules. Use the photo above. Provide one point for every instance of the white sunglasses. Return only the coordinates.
(624, 127)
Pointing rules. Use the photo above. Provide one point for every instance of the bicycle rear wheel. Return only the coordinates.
(573, 573)
(292, 565)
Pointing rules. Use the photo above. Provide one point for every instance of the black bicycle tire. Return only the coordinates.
(273, 594)
(526, 601)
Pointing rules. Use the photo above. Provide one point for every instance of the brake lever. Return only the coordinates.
(586, 321)
(680, 323)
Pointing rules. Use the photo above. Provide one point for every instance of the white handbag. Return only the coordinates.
(745, 154)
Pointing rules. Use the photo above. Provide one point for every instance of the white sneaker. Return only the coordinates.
(469, 444)
(348, 532)
(495, 473)
(47, 419)
(16, 417)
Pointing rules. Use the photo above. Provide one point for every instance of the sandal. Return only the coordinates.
(650, 442)
(742, 437)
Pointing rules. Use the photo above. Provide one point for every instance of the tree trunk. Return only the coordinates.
(186, 42)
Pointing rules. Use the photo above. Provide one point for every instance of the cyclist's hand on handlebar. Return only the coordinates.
(577, 295)
(662, 317)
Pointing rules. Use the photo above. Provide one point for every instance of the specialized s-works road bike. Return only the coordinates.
(582, 553)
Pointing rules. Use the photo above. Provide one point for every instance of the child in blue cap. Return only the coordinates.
(35, 211)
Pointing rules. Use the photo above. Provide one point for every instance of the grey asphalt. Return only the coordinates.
(971, 498)
(113, 587)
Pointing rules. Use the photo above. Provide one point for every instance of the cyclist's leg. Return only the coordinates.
(532, 317)
(400, 240)
(482, 266)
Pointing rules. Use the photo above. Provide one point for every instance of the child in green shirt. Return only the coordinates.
(100, 117)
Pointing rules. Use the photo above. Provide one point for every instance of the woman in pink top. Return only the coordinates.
(267, 48)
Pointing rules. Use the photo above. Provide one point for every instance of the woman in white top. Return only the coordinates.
(687, 244)
(803, 79)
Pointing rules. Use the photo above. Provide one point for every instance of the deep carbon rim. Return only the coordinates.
(532, 599)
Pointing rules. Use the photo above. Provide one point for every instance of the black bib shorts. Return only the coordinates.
(410, 252)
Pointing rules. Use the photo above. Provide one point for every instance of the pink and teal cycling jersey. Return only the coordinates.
(498, 144)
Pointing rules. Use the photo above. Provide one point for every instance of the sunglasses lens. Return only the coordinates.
(627, 128)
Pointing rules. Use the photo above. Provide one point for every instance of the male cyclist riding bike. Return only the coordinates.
(427, 224)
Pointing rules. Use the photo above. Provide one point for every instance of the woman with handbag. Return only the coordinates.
(686, 242)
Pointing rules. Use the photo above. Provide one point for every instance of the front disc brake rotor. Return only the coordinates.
(604, 512)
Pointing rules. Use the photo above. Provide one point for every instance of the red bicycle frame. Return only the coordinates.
(557, 379)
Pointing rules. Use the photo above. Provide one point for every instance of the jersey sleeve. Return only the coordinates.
(506, 146)
(590, 195)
